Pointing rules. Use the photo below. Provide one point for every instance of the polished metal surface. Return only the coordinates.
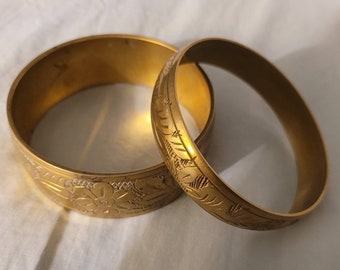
(192, 171)
(92, 61)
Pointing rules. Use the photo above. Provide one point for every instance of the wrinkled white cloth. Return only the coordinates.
(248, 147)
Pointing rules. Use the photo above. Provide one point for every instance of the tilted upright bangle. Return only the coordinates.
(191, 170)
(73, 66)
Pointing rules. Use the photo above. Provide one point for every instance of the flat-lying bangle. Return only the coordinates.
(192, 171)
(73, 66)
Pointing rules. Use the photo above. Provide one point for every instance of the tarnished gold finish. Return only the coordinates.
(73, 66)
(192, 171)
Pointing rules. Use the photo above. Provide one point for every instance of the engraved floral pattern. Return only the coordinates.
(100, 198)
(105, 196)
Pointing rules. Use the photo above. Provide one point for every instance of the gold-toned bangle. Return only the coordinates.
(73, 66)
(192, 171)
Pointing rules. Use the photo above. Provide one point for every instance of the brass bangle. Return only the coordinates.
(71, 67)
(191, 170)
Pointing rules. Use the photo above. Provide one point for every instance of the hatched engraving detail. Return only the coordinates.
(104, 196)
(180, 159)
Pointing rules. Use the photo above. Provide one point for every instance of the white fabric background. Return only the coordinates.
(300, 37)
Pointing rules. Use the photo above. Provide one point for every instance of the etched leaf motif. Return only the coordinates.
(187, 175)
(56, 189)
(176, 133)
(199, 182)
(234, 209)
(100, 198)
(215, 201)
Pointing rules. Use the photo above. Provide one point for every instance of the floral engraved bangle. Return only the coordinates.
(78, 64)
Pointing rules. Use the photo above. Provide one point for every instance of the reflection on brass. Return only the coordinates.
(73, 66)
(192, 171)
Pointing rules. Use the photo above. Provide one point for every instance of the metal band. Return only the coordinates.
(193, 173)
(71, 67)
